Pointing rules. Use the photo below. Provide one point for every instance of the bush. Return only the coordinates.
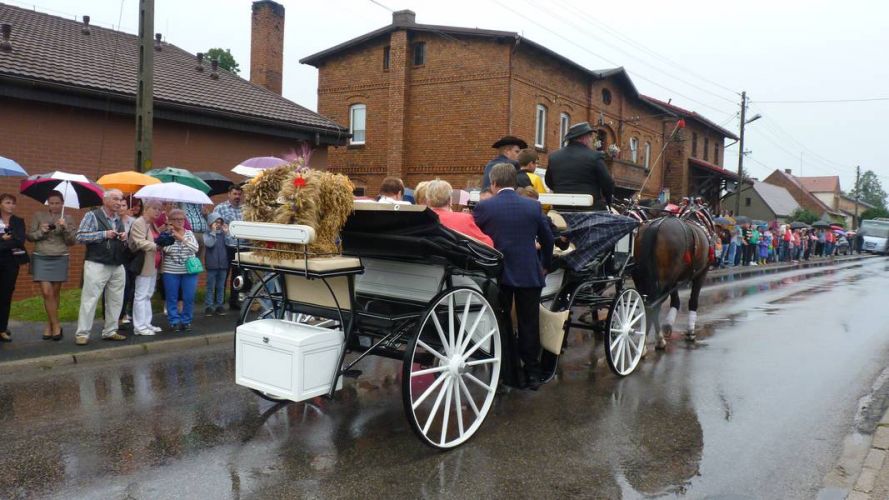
(803, 215)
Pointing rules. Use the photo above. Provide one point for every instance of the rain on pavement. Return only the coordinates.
(758, 408)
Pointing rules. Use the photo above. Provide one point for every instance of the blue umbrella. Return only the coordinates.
(10, 168)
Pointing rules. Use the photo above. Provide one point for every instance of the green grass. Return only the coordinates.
(69, 307)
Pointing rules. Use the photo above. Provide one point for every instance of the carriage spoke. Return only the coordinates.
(432, 351)
(463, 319)
(479, 344)
(620, 349)
(468, 395)
(447, 411)
(471, 331)
(451, 338)
(437, 403)
(636, 319)
(427, 371)
(441, 335)
(429, 391)
(459, 406)
(482, 361)
(479, 382)
(616, 339)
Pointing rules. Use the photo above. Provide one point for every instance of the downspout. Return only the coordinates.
(518, 40)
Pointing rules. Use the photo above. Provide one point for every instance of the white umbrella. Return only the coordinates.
(173, 192)
(72, 187)
(254, 166)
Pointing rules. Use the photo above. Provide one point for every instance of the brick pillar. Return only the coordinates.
(267, 45)
(399, 55)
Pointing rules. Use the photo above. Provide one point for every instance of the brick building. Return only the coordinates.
(806, 199)
(695, 157)
(427, 101)
(827, 189)
(67, 91)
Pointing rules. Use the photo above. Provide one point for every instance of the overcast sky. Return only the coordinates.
(700, 53)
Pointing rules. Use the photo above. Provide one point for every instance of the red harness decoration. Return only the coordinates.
(687, 257)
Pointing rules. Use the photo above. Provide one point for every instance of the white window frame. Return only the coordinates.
(647, 155)
(564, 124)
(352, 110)
(634, 149)
(540, 131)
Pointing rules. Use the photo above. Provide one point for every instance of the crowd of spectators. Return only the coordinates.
(749, 244)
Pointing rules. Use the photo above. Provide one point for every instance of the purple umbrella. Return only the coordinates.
(253, 166)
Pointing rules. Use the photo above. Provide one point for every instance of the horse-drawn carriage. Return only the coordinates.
(410, 289)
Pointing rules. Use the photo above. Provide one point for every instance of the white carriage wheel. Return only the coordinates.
(452, 368)
(625, 337)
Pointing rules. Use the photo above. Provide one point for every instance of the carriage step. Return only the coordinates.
(352, 373)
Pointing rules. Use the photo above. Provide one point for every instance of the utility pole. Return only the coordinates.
(145, 89)
(741, 154)
(857, 195)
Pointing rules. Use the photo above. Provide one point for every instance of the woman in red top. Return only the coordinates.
(438, 198)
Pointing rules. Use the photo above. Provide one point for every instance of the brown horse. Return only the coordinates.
(669, 252)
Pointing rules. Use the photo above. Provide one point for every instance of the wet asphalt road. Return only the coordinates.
(758, 408)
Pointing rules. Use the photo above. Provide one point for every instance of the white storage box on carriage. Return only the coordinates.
(289, 360)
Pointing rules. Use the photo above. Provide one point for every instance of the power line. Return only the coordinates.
(605, 41)
(826, 101)
(585, 49)
(617, 34)
(381, 5)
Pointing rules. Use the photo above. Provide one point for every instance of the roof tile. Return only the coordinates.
(53, 49)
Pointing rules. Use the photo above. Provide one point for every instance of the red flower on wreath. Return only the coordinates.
(299, 181)
(680, 123)
(270, 244)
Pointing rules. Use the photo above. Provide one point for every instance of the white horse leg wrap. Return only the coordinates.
(671, 316)
(692, 319)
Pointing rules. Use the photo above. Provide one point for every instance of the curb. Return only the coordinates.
(748, 271)
(46, 363)
(873, 462)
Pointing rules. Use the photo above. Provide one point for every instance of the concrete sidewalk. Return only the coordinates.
(28, 350)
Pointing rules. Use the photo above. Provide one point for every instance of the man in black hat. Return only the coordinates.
(508, 148)
(577, 169)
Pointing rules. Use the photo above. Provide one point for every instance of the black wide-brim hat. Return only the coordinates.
(579, 130)
(510, 140)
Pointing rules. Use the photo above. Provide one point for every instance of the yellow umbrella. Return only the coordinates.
(129, 182)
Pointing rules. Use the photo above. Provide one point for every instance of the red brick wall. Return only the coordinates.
(48, 137)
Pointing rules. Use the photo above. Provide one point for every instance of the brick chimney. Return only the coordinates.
(404, 18)
(267, 45)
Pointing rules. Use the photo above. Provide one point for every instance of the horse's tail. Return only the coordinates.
(645, 271)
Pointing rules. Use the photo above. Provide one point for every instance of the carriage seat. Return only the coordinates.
(318, 265)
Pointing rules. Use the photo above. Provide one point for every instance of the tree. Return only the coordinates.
(225, 58)
(870, 189)
(803, 215)
(873, 213)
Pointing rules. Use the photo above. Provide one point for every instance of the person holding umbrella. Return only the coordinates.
(102, 231)
(12, 255)
(231, 210)
(176, 276)
(52, 234)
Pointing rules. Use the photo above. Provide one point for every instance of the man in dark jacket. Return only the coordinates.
(508, 148)
(517, 225)
(577, 169)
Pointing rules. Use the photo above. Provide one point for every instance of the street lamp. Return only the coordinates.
(744, 121)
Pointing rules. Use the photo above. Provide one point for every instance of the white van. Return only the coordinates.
(876, 236)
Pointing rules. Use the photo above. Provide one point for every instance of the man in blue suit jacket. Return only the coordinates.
(517, 224)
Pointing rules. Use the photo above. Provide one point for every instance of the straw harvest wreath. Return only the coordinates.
(293, 194)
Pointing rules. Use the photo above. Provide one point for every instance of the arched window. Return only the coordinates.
(647, 155)
(564, 123)
(606, 96)
(634, 150)
(357, 123)
(540, 135)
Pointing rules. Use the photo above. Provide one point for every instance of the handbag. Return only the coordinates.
(136, 263)
(193, 265)
(20, 256)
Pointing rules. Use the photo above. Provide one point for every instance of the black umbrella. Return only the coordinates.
(821, 224)
(798, 225)
(218, 183)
